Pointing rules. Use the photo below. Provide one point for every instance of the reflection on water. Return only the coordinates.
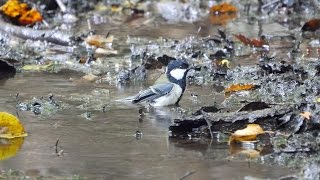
(105, 146)
(10, 147)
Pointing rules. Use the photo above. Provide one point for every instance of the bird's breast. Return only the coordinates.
(171, 98)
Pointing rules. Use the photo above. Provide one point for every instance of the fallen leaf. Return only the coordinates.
(311, 25)
(30, 17)
(10, 126)
(99, 41)
(20, 12)
(10, 147)
(222, 13)
(306, 115)
(252, 42)
(317, 100)
(239, 87)
(223, 8)
(249, 133)
(225, 62)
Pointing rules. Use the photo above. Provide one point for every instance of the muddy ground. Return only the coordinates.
(63, 86)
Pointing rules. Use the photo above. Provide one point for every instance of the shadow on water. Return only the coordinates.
(6, 71)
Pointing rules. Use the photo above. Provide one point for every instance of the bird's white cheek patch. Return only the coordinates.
(177, 73)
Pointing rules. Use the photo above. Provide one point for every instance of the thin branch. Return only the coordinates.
(54, 36)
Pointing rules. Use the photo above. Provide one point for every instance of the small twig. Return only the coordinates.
(56, 146)
(61, 5)
(187, 175)
(270, 3)
(209, 125)
(53, 36)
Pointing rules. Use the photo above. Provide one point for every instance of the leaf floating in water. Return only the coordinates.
(312, 25)
(306, 115)
(99, 40)
(252, 42)
(249, 133)
(253, 106)
(10, 147)
(20, 12)
(239, 87)
(10, 126)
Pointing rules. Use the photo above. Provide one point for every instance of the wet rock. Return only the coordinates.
(40, 105)
(7, 69)
(268, 118)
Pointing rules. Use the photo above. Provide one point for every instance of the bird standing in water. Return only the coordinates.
(168, 93)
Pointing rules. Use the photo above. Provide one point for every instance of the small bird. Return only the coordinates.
(168, 93)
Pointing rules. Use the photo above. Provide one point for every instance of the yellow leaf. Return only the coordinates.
(10, 126)
(306, 115)
(10, 147)
(235, 150)
(249, 133)
(226, 63)
(239, 87)
(318, 100)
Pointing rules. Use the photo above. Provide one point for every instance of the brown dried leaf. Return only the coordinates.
(311, 25)
(251, 42)
(239, 87)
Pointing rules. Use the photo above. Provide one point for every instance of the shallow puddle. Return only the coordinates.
(105, 146)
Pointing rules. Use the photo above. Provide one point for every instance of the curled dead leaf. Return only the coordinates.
(239, 87)
(249, 133)
(10, 126)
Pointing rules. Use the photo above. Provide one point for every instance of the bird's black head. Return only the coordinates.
(177, 72)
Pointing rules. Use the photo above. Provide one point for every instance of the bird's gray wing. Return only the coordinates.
(153, 92)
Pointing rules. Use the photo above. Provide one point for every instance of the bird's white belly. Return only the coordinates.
(170, 98)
